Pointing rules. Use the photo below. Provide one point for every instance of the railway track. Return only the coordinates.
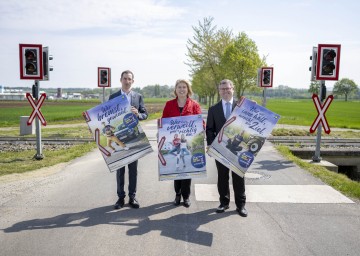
(306, 141)
(291, 141)
(49, 141)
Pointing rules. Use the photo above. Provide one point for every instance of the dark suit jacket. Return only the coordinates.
(136, 101)
(215, 121)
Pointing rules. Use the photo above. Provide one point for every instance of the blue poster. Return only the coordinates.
(243, 135)
(117, 132)
(181, 148)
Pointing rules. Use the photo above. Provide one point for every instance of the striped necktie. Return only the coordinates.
(228, 110)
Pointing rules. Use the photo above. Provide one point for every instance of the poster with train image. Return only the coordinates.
(243, 135)
(181, 147)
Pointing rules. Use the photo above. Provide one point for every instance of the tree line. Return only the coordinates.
(216, 53)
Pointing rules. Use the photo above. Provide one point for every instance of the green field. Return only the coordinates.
(53, 111)
(340, 114)
(56, 112)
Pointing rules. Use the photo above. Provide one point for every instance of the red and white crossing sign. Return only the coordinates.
(321, 109)
(36, 109)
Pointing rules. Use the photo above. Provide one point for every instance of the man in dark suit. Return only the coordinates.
(216, 118)
(137, 108)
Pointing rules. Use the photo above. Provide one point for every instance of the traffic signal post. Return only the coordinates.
(327, 60)
(265, 79)
(34, 65)
(104, 79)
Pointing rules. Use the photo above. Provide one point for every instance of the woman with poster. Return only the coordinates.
(182, 105)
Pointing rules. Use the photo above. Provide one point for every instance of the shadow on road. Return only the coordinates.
(273, 165)
(179, 227)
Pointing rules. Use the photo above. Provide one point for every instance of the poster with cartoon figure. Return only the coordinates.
(117, 132)
(243, 135)
(181, 148)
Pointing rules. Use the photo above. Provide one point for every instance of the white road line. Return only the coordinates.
(310, 194)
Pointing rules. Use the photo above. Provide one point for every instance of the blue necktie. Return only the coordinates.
(228, 110)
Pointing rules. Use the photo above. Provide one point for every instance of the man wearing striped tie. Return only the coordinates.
(216, 118)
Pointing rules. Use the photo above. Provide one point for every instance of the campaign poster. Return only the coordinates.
(181, 148)
(117, 132)
(243, 135)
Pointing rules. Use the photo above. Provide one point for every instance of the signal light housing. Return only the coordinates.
(266, 76)
(31, 61)
(104, 77)
(328, 62)
(313, 59)
(47, 68)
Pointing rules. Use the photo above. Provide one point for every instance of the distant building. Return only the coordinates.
(74, 96)
(59, 93)
(11, 94)
(77, 96)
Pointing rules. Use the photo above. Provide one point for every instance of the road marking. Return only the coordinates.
(307, 194)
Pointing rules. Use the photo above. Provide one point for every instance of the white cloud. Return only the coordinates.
(82, 14)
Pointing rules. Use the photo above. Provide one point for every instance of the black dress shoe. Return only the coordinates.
(187, 202)
(134, 203)
(222, 208)
(119, 203)
(242, 211)
(177, 200)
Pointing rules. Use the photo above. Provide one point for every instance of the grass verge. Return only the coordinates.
(338, 181)
(23, 161)
(299, 132)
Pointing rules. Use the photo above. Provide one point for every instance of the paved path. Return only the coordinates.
(69, 211)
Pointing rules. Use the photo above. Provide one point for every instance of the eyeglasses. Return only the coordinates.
(226, 89)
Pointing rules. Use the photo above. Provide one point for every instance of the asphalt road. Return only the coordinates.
(69, 211)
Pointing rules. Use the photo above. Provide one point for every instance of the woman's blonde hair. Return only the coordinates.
(188, 85)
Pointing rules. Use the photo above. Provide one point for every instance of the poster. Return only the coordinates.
(181, 148)
(117, 132)
(243, 135)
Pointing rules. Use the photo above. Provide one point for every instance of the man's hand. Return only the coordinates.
(135, 111)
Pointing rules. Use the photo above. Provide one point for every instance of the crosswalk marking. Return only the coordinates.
(311, 194)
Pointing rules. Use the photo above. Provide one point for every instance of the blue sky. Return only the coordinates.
(149, 37)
